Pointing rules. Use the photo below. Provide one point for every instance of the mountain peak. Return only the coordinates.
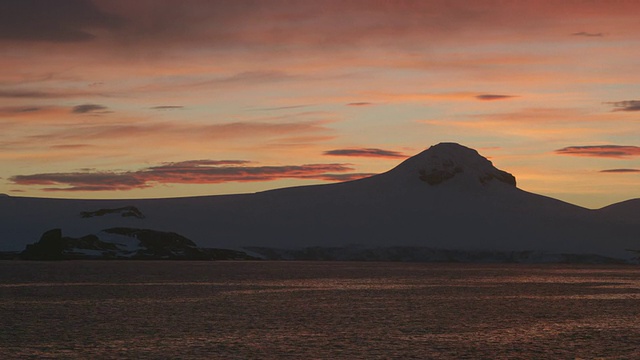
(446, 161)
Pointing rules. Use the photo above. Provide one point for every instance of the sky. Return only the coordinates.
(165, 98)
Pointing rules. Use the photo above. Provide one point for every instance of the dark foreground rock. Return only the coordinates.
(124, 243)
(9, 255)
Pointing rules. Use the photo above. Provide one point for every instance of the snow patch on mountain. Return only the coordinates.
(127, 245)
(446, 161)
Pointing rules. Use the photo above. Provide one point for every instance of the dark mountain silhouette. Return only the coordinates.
(448, 197)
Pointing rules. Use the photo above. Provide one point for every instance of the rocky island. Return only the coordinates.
(124, 244)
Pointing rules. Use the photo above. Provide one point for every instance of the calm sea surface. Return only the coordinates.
(317, 310)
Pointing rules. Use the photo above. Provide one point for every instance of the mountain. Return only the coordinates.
(448, 197)
(626, 211)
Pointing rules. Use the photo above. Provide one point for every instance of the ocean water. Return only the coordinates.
(317, 310)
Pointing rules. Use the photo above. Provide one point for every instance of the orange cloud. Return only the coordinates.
(71, 146)
(220, 61)
(382, 97)
(542, 123)
(166, 132)
(185, 172)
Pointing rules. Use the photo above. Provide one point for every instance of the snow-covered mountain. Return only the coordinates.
(447, 197)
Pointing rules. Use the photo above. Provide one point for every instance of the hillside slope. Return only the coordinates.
(447, 197)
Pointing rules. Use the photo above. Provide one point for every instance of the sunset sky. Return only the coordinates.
(164, 98)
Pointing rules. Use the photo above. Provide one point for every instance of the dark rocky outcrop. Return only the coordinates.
(151, 245)
(436, 176)
(53, 246)
(125, 211)
(499, 175)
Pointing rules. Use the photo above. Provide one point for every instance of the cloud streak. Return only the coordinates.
(19, 110)
(281, 108)
(167, 133)
(70, 146)
(39, 94)
(168, 107)
(89, 108)
(491, 97)
(83, 181)
(627, 105)
(365, 152)
(587, 34)
(605, 151)
(185, 172)
(621, 171)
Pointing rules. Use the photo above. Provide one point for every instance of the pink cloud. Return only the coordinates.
(606, 151)
(172, 132)
(365, 152)
(185, 172)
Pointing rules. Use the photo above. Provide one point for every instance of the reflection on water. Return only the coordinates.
(317, 310)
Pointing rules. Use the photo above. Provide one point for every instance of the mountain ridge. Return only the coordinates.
(446, 197)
